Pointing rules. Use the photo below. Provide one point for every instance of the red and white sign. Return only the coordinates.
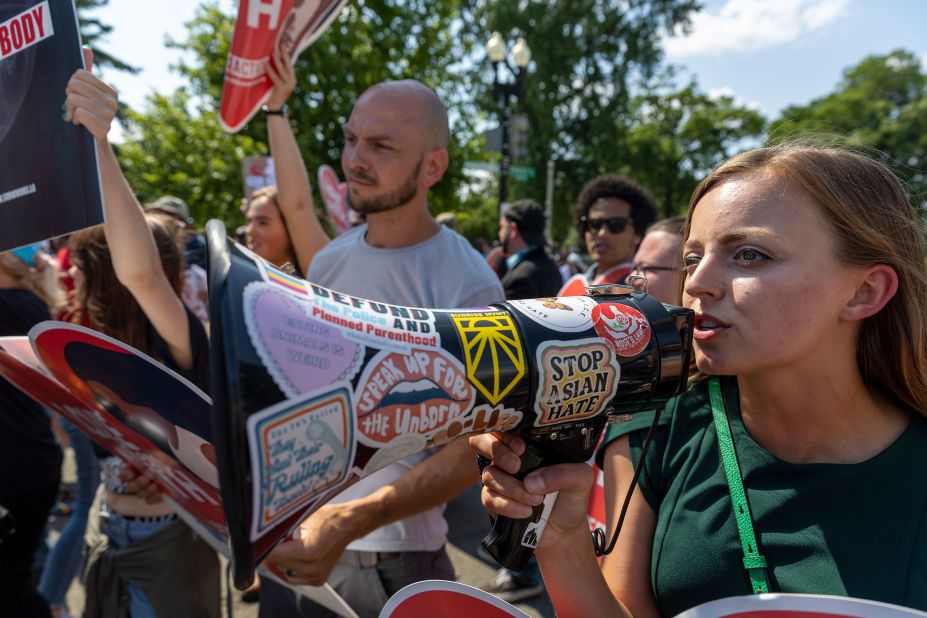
(258, 172)
(261, 27)
(26, 29)
(189, 491)
(438, 598)
(624, 329)
(797, 606)
(335, 195)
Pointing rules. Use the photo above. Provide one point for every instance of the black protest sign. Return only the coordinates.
(49, 181)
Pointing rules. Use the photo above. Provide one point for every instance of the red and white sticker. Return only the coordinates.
(417, 393)
(624, 329)
(26, 29)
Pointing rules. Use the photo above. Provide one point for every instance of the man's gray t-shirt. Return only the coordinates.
(442, 272)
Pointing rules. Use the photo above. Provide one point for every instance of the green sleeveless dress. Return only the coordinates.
(855, 530)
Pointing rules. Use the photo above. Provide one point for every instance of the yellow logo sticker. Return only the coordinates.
(492, 351)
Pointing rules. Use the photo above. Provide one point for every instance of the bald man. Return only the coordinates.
(388, 530)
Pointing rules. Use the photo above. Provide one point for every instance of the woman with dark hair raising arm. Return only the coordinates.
(806, 270)
(146, 561)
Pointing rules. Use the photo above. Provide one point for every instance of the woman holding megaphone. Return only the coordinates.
(797, 460)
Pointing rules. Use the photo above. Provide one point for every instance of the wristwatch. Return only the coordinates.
(275, 112)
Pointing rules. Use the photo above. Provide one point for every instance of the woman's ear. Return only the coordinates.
(877, 285)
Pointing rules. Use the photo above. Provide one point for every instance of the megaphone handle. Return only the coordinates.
(512, 541)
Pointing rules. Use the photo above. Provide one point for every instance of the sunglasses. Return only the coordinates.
(615, 225)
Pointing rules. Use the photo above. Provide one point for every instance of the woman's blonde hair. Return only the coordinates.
(873, 223)
(41, 280)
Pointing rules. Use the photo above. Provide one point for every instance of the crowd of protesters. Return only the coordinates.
(805, 267)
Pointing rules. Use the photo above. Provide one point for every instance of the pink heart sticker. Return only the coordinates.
(300, 353)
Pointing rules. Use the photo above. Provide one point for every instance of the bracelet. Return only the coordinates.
(275, 112)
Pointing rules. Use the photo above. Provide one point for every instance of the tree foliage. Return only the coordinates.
(173, 150)
(590, 59)
(677, 136)
(881, 106)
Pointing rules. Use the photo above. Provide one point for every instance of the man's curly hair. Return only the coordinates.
(643, 206)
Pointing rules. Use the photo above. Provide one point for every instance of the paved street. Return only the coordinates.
(469, 524)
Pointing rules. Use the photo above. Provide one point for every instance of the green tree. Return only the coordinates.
(881, 106)
(678, 136)
(176, 146)
(590, 58)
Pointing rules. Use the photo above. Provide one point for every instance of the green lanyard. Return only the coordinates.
(754, 562)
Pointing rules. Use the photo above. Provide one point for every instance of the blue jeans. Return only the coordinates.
(122, 532)
(64, 560)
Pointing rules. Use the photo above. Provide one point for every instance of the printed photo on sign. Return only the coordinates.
(492, 350)
(380, 325)
(49, 179)
(623, 328)
(575, 380)
(416, 393)
(298, 449)
(567, 314)
(300, 353)
(175, 465)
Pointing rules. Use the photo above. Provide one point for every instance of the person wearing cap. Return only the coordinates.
(528, 271)
(173, 206)
(195, 245)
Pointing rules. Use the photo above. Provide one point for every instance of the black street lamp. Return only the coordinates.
(503, 92)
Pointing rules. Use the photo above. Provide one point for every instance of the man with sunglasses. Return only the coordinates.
(612, 214)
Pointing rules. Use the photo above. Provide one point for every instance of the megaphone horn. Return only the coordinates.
(314, 389)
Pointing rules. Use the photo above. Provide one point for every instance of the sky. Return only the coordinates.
(766, 53)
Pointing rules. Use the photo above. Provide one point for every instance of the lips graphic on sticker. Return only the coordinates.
(416, 393)
(624, 329)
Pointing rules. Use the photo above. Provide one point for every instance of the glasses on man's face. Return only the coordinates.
(643, 269)
(615, 225)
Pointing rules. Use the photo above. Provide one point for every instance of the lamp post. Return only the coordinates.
(503, 92)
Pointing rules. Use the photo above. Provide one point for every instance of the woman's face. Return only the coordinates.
(764, 280)
(266, 233)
